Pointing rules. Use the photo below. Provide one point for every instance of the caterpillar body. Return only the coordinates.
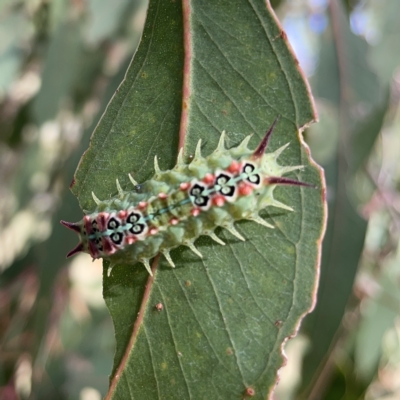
(176, 206)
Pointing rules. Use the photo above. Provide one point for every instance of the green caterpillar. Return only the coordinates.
(176, 206)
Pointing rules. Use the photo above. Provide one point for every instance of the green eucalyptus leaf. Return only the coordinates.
(211, 327)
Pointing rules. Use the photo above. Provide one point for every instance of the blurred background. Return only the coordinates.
(60, 63)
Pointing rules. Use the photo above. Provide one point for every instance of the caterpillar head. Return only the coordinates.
(102, 234)
(89, 240)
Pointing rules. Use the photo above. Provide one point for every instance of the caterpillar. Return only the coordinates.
(176, 206)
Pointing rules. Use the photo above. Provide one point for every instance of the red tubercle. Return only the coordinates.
(130, 240)
(219, 201)
(184, 186)
(162, 196)
(209, 179)
(142, 205)
(245, 189)
(235, 167)
(174, 221)
(153, 231)
(195, 212)
(122, 214)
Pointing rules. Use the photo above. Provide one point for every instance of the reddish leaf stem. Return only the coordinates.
(186, 72)
(139, 320)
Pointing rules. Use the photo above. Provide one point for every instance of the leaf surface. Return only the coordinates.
(208, 67)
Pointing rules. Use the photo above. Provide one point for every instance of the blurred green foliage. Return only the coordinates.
(60, 63)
